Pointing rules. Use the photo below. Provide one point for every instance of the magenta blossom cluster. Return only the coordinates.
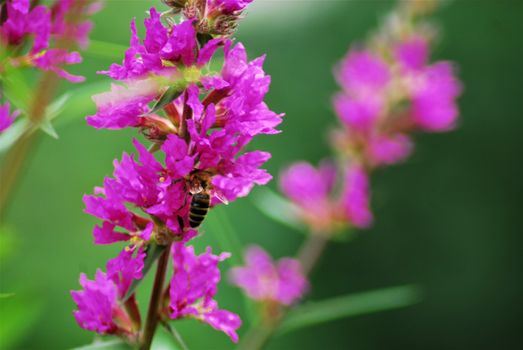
(388, 95)
(6, 117)
(263, 280)
(64, 23)
(389, 90)
(199, 121)
(100, 304)
(193, 286)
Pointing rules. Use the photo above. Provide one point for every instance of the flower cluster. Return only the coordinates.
(193, 287)
(200, 121)
(100, 306)
(263, 280)
(389, 90)
(51, 29)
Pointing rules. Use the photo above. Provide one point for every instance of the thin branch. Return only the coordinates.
(154, 303)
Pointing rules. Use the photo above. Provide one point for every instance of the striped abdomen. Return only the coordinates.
(200, 203)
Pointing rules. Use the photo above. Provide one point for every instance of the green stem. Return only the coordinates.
(17, 154)
(176, 335)
(154, 302)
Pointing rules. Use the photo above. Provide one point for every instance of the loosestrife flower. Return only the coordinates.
(263, 280)
(389, 89)
(100, 302)
(200, 122)
(193, 286)
(6, 118)
(63, 23)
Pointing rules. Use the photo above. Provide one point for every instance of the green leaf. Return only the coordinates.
(8, 242)
(105, 49)
(351, 305)
(16, 89)
(227, 239)
(277, 208)
(48, 128)
(153, 252)
(225, 235)
(56, 108)
(180, 343)
(6, 295)
(113, 344)
(12, 134)
(168, 96)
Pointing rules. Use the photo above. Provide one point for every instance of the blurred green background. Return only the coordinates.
(448, 219)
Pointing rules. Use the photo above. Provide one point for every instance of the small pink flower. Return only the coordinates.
(387, 150)
(412, 54)
(309, 188)
(433, 99)
(355, 198)
(363, 73)
(6, 118)
(97, 303)
(263, 280)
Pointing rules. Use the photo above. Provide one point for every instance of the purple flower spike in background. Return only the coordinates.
(263, 280)
(389, 90)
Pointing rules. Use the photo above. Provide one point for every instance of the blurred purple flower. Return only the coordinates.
(263, 280)
(49, 28)
(310, 188)
(355, 198)
(7, 118)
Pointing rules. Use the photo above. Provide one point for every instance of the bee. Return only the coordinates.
(202, 192)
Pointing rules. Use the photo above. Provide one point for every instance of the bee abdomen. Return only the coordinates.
(199, 207)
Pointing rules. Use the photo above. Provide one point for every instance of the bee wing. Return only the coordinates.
(218, 194)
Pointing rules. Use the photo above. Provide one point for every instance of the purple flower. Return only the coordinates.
(263, 280)
(387, 150)
(125, 268)
(363, 74)
(309, 188)
(21, 22)
(243, 174)
(177, 45)
(47, 27)
(97, 304)
(193, 286)
(6, 118)
(358, 115)
(52, 59)
(412, 54)
(243, 109)
(433, 98)
(228, 6)
(123, 106)
(355, 198)
(63, 28)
